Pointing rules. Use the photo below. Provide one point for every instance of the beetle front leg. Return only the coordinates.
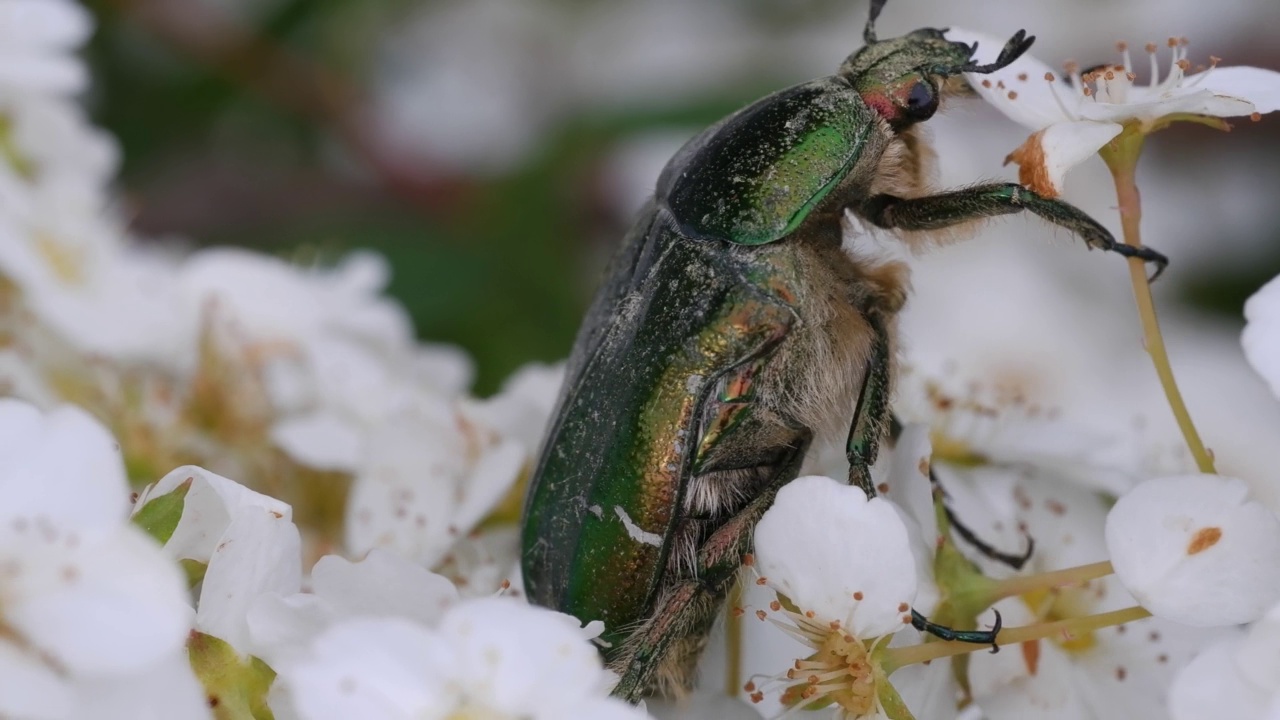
(935, 212)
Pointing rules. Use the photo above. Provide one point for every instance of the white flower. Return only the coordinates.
(1113, 673)
(1009, 377)
(845, 564)
(1074, 115)
(431, 476)
(1237, 677)
(382, 585)
(1261, 336)
(1196, 549)
(85, 597)
(37, 38)
(247, 540)
(522, 408)
(211, 503)
(494, 658)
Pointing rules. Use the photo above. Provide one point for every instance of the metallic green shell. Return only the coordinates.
(754, 177)
(674, 316)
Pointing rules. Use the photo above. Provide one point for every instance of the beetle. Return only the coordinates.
(731, 331)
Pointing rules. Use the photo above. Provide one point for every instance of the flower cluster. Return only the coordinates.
(324, 517)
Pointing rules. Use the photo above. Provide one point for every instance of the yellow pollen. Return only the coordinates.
(1204, 539)
(1122, 46)
(1048, 76)
(1150, 47)
(1173, 42)
(1214, 60)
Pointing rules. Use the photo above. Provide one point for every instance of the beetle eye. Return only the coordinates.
(921, 101)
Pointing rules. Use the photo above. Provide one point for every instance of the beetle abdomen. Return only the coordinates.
(606, 496)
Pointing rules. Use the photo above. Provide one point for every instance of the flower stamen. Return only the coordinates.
(1053, 89)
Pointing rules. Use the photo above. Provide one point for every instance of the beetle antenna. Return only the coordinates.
(869, 33)
(1012, 50)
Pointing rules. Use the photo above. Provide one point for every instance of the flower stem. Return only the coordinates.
(1019, 585)
(895, 658)
(733, 643)
(1122, 158)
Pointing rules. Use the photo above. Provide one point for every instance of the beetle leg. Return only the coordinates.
(689, 606)
(871, 416)
(982, 546)
(1014, 561)
(942, 632)
(935, 212)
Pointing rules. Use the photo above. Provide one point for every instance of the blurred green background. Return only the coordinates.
(263, 123)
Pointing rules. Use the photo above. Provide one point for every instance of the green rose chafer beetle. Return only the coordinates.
(733, 328)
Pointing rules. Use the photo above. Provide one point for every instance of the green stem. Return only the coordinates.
(1122, 158)
(733, 642)
(1022, 584)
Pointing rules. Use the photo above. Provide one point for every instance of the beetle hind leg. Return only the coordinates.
(661, 651)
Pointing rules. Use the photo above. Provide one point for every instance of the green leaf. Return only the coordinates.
(237, 687)
(160, 516)
(195, 571)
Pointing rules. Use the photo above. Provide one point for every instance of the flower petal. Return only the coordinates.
(321, 440)
(212, 503)
(1195, 102)
(1212, 685)
(259, 553)
(524, 660)
(370, 668)
(832, 551)
(110, 606)
(1255, 85)
(1261, 336)
(1019, 90)
(384, 583)
(30, 688)
(1195, 549)
(167, 690)
(62, 466)
(1044, 159)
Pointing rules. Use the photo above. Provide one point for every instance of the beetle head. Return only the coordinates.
(901, 78)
